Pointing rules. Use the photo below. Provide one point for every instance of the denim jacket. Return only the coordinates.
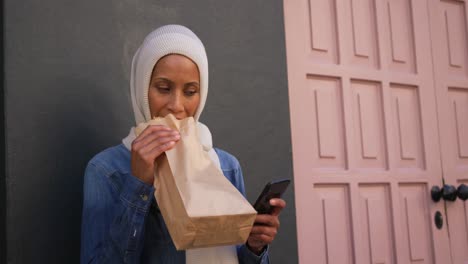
(121, 220)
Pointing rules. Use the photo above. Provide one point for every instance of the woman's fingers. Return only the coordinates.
(149, 145)
(278, 205)
(264, 230)
(151, 151)
(262, 237)
(159, 145)
(267, 220)
(150, 129)
(153, 141)
(150, 133)
(259, 240)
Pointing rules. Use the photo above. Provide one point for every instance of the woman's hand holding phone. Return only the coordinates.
(268, 205)
(265, 227)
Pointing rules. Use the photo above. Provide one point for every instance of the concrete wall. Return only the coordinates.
(67, 67)
(2, 151)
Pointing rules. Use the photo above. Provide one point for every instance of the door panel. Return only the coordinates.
(364, 136)
(450, 49)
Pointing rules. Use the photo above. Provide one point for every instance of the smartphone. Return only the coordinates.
(273, 189)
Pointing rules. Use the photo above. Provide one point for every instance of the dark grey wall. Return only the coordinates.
(2, 151)
(67, 68)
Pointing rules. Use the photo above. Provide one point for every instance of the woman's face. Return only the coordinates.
(174, 87)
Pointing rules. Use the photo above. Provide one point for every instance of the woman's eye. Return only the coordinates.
(164, 89)
(190, 92)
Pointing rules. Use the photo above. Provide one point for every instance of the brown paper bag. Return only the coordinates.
(200, 207)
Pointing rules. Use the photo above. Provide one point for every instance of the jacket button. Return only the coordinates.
(144, 197)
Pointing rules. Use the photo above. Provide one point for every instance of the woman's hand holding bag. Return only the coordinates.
(148, 146)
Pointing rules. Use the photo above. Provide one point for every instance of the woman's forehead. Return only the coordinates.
(176, 66)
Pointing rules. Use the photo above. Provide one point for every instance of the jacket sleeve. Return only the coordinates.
(244, 255)
(114, 214)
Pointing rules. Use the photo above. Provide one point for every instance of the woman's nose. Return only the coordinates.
(176, 103)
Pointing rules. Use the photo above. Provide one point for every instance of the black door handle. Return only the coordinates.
(462, 192)
(448, 193)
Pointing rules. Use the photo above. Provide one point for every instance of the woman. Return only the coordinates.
(121, 219)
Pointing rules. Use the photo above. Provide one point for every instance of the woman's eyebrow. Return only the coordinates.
(163, 79)
(192, 83)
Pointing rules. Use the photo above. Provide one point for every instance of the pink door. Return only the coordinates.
(450, 49)
(364, 131)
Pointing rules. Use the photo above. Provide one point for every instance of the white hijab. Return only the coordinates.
(175, 39)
